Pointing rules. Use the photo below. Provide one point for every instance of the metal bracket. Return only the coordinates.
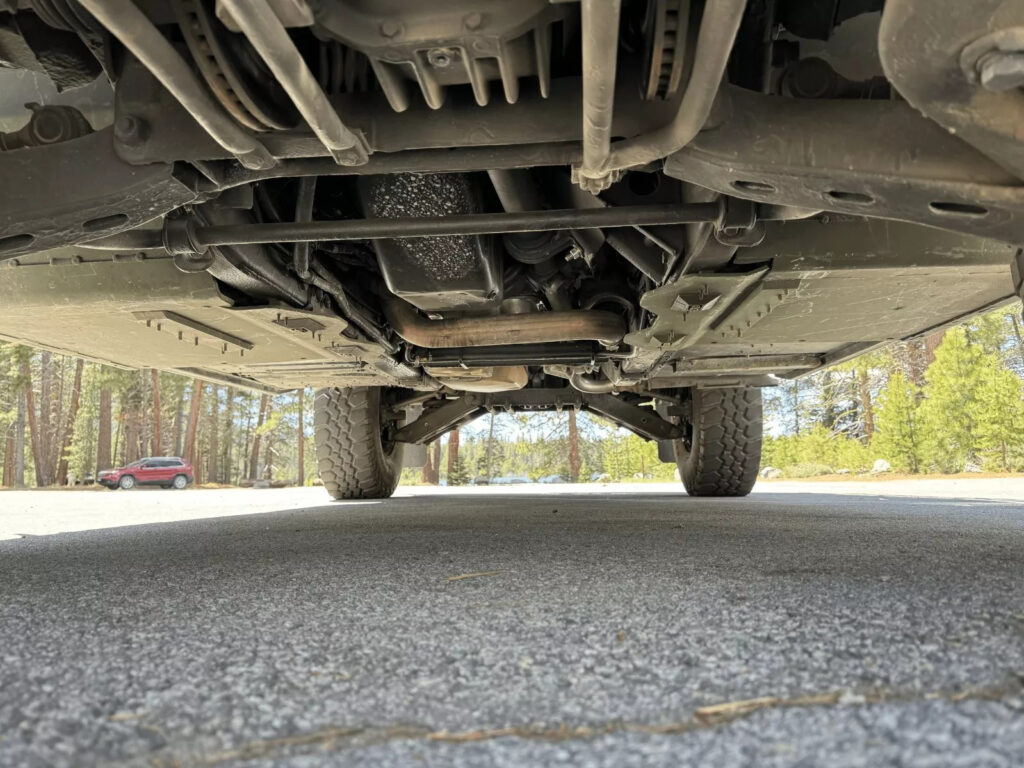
(867, 158)
(921, 48)
(643, 421)
(436, 421)
(996, 60)
(693, 306)
(129, 24)
(99, 195)
(739, 225)
(179, 240)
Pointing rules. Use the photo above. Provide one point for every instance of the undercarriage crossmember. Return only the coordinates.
(451, 413)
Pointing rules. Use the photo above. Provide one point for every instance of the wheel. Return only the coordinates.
(126, 483)
(355, 453)
(179, 483)
(721, 452)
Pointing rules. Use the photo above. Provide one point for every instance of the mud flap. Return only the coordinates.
(666, 448)
(415, 455)
(667, 451)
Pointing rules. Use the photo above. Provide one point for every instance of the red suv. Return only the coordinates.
(165, 471)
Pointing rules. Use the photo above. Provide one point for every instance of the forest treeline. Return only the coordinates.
(63, 419)
(951, 401)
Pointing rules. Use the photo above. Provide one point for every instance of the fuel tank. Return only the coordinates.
(435, 274)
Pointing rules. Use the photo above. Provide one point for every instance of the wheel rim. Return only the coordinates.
(179, 483)
(128, 483)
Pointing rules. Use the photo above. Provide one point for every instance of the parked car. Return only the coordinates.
(164, 471)
(511, 480)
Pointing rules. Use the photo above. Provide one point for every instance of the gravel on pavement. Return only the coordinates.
(806, 625)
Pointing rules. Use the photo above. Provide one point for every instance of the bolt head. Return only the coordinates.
(349, 157)
(440, 58)
(473, 20)
(48, 126)
(390, 28)
(129, 129)
(1001, 70)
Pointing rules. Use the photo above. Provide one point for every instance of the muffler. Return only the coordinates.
(539, 328)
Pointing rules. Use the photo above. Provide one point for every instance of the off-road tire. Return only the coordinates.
(354, 460)
(725, 443)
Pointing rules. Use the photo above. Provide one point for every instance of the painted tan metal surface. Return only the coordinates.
(812, 289)
(147, 313)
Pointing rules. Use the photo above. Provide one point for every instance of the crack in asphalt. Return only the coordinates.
(705, 718)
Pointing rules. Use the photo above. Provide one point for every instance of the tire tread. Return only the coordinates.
(727, 425)
(350, 457)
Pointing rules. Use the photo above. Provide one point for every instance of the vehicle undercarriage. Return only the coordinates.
(649, 208)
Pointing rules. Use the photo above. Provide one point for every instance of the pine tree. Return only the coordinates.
(158, 432)
(897, 428)
(457, 474)
(1017, 343)
(8, 412)
(301, 438)
(190, 453)
(104, 452)
(950, 410)
(1001, 418)
(254, 457)
(82, 452)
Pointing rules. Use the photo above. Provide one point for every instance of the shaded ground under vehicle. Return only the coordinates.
(162, 471)
(432, 210)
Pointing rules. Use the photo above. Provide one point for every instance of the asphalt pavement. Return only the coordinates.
(807, 625)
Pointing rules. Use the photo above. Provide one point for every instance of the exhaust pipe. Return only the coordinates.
(540, 328)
